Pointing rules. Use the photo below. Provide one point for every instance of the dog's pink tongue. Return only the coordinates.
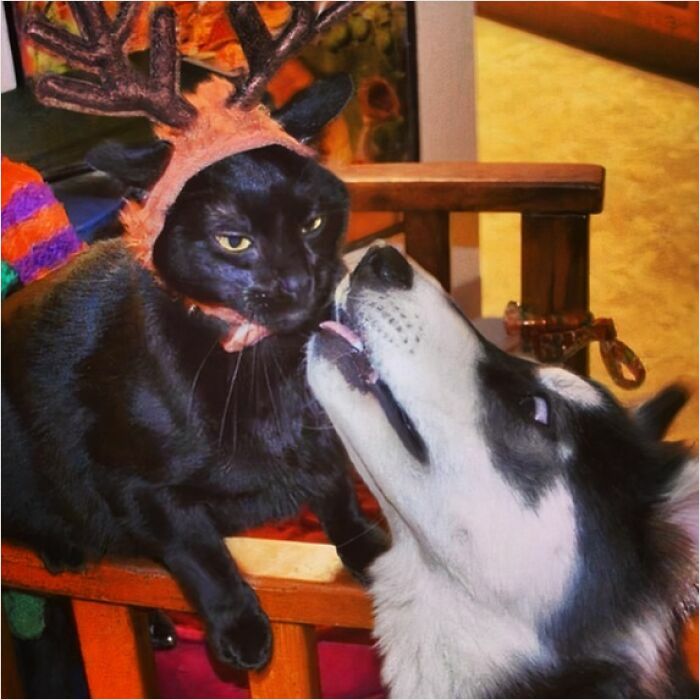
(344, 332)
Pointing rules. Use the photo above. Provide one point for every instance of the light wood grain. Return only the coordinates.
(129, 672)
(293, 671)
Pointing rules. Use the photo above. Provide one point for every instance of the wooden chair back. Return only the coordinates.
(555, 203)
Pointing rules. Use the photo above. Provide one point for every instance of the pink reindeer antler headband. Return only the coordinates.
(216, 121)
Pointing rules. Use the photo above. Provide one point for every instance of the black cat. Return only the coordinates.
(128, 430)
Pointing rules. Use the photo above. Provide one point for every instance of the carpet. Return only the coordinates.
(541, 101)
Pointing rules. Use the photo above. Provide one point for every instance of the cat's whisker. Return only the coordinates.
(196, 379)
(319, 428)
(282, 371)
(253, 375)
(234, 430)
(222, 425)
(272, 396)
(373, 525)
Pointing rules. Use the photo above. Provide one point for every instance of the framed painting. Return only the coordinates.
(374, 45)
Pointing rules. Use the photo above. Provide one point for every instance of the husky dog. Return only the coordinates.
(544, 538)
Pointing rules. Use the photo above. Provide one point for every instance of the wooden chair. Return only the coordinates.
(304, 585)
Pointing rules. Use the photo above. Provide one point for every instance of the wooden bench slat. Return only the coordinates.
(130, 673)
(293, 670)
(314, 591)
(12, 686)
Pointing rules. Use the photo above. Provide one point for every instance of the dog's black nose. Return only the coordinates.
(386, 266)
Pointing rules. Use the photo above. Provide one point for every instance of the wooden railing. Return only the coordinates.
(299, 585)
(303, 585)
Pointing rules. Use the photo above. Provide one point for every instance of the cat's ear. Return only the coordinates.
(311, 109)
(135, 166)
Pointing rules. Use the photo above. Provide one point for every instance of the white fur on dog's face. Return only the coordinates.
(475, 456)
(518, 555)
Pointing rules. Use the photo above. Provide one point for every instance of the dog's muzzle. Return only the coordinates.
(383, 269)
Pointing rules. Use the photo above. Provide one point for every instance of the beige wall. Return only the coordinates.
(540, 100)
(8, 73)
(447, 121)
(445, 49)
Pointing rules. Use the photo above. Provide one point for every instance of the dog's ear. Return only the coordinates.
(657, 414)
(135, 166)
(679, 505)
(310, 110)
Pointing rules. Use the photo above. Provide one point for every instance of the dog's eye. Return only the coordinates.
(536, 408)
(233, 243)
(313, 224)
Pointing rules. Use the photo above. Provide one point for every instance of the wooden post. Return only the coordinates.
(428, 242)
(293, 670)
(11, 682)
(116, 650)
(554, 268)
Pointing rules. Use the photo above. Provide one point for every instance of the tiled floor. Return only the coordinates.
(539, 100)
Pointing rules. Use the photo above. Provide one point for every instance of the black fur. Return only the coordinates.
(128, 430)
(630, 562)
(655, 416)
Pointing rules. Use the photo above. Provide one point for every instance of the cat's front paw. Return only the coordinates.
(358, 554)
(244, 641)
(62, 557)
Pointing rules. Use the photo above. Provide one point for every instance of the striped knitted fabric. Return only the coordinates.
(36, 234)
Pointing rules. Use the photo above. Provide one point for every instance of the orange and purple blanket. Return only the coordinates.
(37, 236)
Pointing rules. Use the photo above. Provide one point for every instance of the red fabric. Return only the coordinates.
(348, 669)
(305, 527)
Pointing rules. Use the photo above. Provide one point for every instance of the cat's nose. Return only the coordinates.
(384, 266)
(295, 286)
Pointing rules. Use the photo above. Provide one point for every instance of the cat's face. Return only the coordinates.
(258, 232)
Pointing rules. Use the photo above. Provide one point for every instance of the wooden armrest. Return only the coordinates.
(495, 187)
(296, 582)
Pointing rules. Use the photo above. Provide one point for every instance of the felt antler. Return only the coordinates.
(265, 54)
(121, 89)
(211, 124)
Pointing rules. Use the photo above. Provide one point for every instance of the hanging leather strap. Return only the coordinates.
(557, 337)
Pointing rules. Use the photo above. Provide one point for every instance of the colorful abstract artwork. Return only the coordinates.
(373, 45)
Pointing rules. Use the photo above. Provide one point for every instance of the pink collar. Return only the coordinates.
(240, 332)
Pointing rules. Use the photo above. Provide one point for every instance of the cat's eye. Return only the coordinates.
(234, 243)
(536, 408)
(313, 224)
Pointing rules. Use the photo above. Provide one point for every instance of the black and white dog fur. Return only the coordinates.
(544, 538)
